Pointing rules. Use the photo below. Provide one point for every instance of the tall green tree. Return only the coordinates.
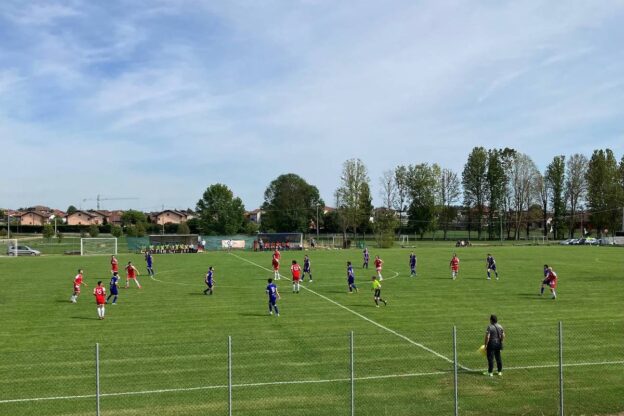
(604, 192)
(219, 212)
(555, 177)
(522, 180)
(496, 186)
(183, 229)
(71, 209)
(402, 200)
(351, 194)
(575, 185)
(449, 190)
(423, 181)
(385, 223)
(542, 195)
(133, 217)
(366, 208)
(474, 181)
(290, 204)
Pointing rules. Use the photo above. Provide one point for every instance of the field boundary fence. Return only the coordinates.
(351, 374)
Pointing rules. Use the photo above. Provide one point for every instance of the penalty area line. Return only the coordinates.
(367, 319)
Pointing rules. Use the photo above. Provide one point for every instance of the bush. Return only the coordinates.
(94, 230)
(48, 231)
(116, 231)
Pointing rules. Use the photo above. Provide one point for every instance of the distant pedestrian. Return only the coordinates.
(494, 337)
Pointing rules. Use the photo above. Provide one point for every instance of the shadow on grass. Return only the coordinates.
(253, 314)
(84, 317)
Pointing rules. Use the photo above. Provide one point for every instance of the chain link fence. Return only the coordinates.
(547, 369)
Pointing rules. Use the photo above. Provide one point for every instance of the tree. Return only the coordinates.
(402, 193)
(604, 193)
(542, 194)
(353, 190)
(423, 181)
(133, 217)
(474, 180)
(116, 231)
(290, 204)
(59, 237)
(384, 226)
(449, 192)
(575, 185)
(523, 172)
(71, 209)
(94, 230)
(366, 208)
(183, 229)
(388, 190)
(220, 213)
(555, 177)
(48, 231)
(496, 187)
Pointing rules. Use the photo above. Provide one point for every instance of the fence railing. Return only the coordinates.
(571, 369)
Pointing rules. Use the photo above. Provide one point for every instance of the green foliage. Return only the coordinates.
(366, 208)
(351, 195)
(71, 209)
(2, 215)
(94, 230)
(423, 180)
(137, 230)
(384, 225)
(59, 237)
(183, 228)
(48, 231)
(251, 228)
(116, 231)
(496, 187)
(555, 178)
(604, 190)
(133, 217)
(474, 180)
(290, 204)
(220, 213)
(84, 231)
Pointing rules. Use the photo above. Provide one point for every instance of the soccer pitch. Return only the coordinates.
(164, 348)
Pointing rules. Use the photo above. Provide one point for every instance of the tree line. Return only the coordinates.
(500, 193)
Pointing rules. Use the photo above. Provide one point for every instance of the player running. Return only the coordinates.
(295, 270)
(274, 295)
(114, 265)
(376, 287)
(378, 267)
(209, 280)
(114, 288)
(149, 261)
(77, 283)
(306, 268)
(412, 262)
(454, 264)
(276, 264)
(100, 299)
(491, 266)
(366, 259)
(351, 278)
(550, 280)
(131, 274)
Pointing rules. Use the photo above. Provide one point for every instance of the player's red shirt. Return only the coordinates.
(275, 263)
(455, 263)
(378, 263)
(78, 280)
(131, 272)
(552, 279)
(100, 295)
(114, 265)
(295, 269)
(277, 255)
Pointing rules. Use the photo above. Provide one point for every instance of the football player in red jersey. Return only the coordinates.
(295, 269)
(378, 267)
(276, 264)
(77, 283)
(131, 274)
(100, 298)
(454, 264)
(114, 265)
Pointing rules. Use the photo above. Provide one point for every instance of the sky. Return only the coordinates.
(156, 100)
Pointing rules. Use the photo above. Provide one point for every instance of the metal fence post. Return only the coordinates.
(352, 362)
(561, 412)
(229, 375)
(97, 379)
(455, 386)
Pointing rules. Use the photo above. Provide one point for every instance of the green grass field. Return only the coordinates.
(163, 349)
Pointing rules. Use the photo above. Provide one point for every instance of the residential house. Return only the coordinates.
(170, 216)
(83, 218)
(33, 218)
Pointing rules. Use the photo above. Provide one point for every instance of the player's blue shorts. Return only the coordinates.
(492, 266)
(306, 269)
(210, 284)
(272, 300)
(113, 290)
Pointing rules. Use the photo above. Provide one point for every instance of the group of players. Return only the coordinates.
(99, 291)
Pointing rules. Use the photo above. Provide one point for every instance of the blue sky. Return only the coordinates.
(159, 99)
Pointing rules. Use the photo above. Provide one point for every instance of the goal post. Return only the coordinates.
(8, 247)
(95, 246)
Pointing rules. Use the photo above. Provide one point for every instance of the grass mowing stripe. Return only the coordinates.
(291, 382)
(385, 328)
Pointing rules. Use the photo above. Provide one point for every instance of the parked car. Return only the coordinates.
(589, 241)
(606, 241)
(567, 242)
(22, 251)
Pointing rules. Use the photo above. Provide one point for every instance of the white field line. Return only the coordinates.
(292, 382)
(385, 328)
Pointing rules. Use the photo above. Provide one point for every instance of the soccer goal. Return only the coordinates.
(94, 246)
(404, 239)
(281, 241)
(8, 247)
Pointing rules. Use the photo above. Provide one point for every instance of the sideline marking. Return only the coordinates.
(385, 328)
(278, 383)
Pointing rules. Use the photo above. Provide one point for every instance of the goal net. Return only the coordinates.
(404, 239)
(94, 246)
(8, 247)
(282, 241)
